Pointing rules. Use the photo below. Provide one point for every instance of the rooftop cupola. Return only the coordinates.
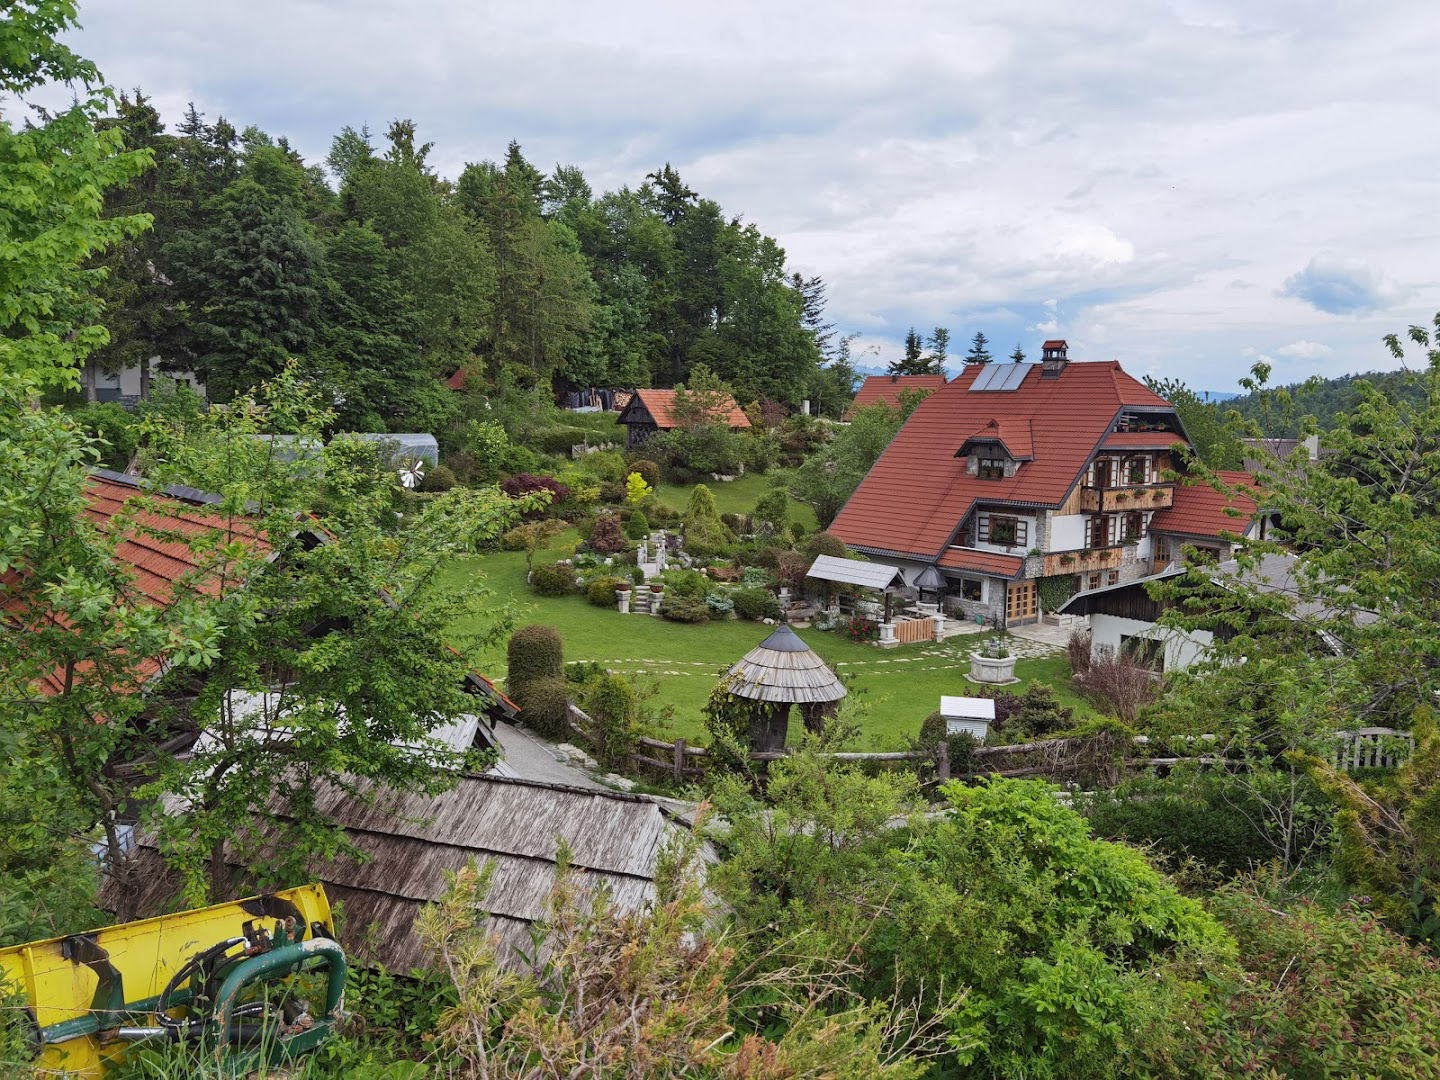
(1053, 358)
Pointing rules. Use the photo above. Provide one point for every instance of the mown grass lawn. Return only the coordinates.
(897, 688)
(736, 497)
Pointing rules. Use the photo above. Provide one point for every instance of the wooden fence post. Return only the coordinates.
(942, 760)
(679, 761)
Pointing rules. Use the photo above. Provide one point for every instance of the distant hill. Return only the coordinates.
(1326, 400)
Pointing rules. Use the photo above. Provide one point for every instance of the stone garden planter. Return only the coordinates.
(992, 669)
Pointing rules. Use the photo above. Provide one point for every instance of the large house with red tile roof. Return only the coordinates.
(649, 411)
(1013, 473)
(888, 388)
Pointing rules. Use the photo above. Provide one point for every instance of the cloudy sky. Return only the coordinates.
(1184, 186)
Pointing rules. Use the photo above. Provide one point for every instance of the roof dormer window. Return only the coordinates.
(990, 468)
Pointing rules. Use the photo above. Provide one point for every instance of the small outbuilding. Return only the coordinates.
(649, 411)
(781, 672)
(967, 715)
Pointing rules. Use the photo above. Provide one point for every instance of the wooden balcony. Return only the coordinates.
(1085, 560)
(1128, 497)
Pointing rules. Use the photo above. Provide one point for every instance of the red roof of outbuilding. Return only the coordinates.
(1200, 510)
(156, 564)
(919, 492)
(660, 404)
(154, 549)
(982, 562)
(888, 388)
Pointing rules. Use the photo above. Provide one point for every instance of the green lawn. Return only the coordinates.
(897, 688)
(736, 497)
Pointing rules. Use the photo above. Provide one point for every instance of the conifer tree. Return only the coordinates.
(979, 353)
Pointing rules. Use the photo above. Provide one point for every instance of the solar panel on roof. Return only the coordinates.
(1001, 377)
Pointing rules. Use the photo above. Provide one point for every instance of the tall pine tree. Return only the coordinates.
(979, 353)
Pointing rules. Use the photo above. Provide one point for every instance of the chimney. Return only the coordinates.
(1053, 358)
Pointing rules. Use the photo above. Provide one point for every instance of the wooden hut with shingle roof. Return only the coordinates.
(782, 671)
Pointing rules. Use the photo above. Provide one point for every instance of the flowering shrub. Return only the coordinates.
(863, 629)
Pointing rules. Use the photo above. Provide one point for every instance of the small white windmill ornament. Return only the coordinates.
(410, 475)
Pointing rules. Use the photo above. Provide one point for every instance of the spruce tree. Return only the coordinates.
(1018, 356)
(251, 282)
(978, 353)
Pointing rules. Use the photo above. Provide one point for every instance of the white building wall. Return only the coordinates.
(1182, 648)
(1067, 532)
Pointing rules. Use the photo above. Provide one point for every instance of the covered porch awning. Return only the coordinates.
(866, 575)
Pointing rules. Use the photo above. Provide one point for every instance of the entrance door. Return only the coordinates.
(1020, 602)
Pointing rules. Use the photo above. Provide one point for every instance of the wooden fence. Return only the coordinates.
(908, 631)
(1363, 748)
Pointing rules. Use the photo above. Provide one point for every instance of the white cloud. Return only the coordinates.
(1304, 350)
(980, 166)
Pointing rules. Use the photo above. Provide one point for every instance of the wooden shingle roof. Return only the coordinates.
(412, 840)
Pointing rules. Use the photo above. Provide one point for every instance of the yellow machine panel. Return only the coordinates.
(76, 1018)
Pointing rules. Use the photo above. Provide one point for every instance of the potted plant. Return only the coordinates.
(1122, 496)
(1067, 558)
(993, 663)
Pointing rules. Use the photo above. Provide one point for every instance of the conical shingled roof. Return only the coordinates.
(783, 669)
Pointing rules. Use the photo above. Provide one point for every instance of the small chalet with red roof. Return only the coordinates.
(650, 411)
(1013, 473)
(888, 388)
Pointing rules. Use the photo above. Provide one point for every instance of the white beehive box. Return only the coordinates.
(968, 715)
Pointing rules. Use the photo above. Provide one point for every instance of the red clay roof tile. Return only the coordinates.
(660, 404)
(982, 562)
(1200, 510)
(919, 492)
(888, 388)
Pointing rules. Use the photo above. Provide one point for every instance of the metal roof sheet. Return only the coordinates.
(853, 572)
(967, 708)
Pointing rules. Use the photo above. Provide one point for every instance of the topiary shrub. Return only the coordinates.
(606, 537)
(545, 704)
(437, 478)
(705, 534)
(553, 580)
(648, 470)
(534, 652)
(601, 591)
(756, 604)
(824, 543)
(611, 703)
(637, 527)
(686, 609)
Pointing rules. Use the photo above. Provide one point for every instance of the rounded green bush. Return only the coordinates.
(535, 652)
(601, 591)
(553, 580)
(687, 609)
(649, 471)
(637, 526)
(756, 604)
(544, 704)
